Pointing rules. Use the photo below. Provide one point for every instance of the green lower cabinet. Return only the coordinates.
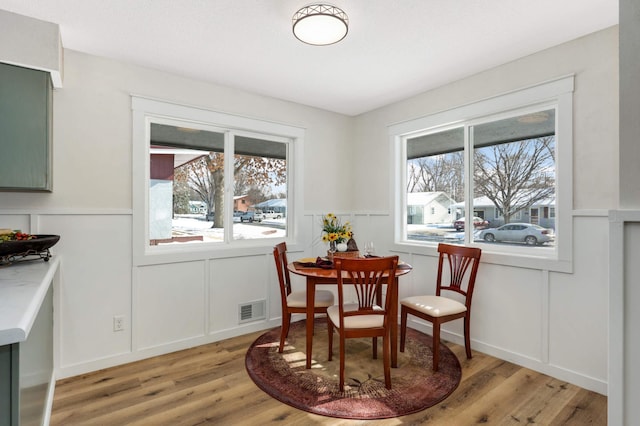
(26, 372)
(9, 385)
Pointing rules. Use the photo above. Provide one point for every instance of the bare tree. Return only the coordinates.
(240, 185)
(206, 177)
(201, 179)
(181, 192)
(256, 195)
(443, 172)
(515, 175)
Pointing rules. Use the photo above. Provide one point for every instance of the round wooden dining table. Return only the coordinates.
(319, 276)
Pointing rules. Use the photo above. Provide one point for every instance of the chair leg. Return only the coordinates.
(436, 345)
(330, 328)
(342, 362)
(374, 345)
(286, 321)
(403, 327)
(386, 356)
(467, 337)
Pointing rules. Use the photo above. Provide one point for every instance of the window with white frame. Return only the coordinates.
(208, 178)
(489, 164)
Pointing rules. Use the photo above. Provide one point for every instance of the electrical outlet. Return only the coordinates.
(118, 323)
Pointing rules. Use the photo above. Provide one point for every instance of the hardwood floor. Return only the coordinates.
(209, 385)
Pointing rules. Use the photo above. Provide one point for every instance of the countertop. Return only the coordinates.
(23, 286)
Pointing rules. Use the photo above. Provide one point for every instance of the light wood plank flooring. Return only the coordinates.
(209, 385)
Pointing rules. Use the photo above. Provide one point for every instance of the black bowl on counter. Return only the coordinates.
(36, 245)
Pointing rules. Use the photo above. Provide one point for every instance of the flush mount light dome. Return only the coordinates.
(320, 24)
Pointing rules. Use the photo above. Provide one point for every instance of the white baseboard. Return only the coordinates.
(124, 358)
(561, 373)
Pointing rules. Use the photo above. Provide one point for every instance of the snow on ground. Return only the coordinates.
(197, 225)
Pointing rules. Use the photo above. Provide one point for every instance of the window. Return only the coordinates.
(514, 171)
(187, 168)
(489, 164)
(204, 179)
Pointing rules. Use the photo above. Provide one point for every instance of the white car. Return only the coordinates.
(252, 216)
(518, 232)
(270, 214)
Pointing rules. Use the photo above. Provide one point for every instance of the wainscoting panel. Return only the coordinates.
(542, 320)
(17, 221)
(170, 303)
(578, 307)
(234, 282)
(95, 286)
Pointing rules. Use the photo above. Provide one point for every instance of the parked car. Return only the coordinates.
(271, 214)
(518, 232)
(478, 223)
(252, 216)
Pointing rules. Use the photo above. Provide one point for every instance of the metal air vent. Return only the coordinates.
(251, 311)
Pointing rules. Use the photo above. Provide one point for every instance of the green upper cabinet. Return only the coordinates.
(25, 129)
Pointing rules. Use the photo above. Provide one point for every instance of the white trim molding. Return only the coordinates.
(621, 251)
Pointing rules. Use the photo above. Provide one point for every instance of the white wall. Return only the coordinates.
(536, 318)
(91, 208)
(551, 322)
(593, 59)
(624, 383)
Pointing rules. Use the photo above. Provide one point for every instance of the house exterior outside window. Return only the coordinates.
(222, 164)
(498, 160)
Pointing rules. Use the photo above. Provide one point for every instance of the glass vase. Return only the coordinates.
(332, 246)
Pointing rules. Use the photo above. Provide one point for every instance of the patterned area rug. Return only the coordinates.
(414, 386)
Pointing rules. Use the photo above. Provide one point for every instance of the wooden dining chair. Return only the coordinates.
(295, 302)
(364, 318)
(462, 269)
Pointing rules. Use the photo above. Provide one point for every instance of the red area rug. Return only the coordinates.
(414, 386)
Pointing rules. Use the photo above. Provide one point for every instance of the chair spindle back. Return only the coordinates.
(280, 257)
(366, 276)
(463, 267)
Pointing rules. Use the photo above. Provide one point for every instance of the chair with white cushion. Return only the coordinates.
(295, 302)
(462, 269)
(366, 318)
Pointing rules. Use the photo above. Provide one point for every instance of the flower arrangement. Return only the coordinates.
(334, 231)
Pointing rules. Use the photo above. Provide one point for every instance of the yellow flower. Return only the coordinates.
(334, 230)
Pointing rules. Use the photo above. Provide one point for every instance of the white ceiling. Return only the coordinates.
(394, 48)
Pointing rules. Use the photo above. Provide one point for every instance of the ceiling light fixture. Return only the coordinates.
(320, 24)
